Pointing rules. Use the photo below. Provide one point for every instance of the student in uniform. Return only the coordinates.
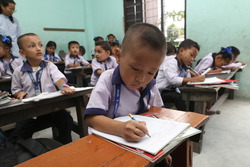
(50, 54)
(96, 39)
(234, 63)
(215, 61)
(175, 73)
(130, 87)
(102, 62)
(171, 49)
(74, 60)
(8, 62)
(34, 77)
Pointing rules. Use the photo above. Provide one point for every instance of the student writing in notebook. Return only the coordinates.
(234, 63)
(102, 62)
(215, 61)
(34, 77)
(130, 87)
(174, 73)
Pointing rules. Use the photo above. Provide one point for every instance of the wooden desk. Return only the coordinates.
(5, 83)
(21, 111)
(79, 73)
(95, 151)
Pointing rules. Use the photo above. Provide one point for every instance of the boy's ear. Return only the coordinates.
(22, 53)
(118, 55)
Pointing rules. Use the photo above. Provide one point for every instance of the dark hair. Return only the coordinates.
(6, 40)
(82, 50)
(105, 45)
(71, 43)
(187, 44)
(49, 44)
(171, 49)
(146, 34)
(235, 50)
(19, 39)
(226, 53)
(115, 44)
(6, 3)
(98, 38)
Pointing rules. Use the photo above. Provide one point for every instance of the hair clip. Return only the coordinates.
(5, 39)
(227, 50)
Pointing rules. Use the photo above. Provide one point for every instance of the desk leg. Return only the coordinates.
(79, 79)
(183, 155)
(199, 107)
(197, 146)
(80, 115)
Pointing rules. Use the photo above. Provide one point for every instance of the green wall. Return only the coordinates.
(214, 24)
(97, 17)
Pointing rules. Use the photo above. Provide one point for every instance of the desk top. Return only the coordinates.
(99, 152)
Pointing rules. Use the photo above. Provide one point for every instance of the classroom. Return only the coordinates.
(213, 24)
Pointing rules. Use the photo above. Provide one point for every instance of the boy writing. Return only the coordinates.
(130, 87)
(174, 73)
(34, 77)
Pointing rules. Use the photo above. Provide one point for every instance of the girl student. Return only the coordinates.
(102, 62)
(8, 62)
(50, 54)
(215, 61)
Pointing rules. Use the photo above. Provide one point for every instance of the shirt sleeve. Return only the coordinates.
(170, 69)
(204, 64)
(16, 85)
(55, 73)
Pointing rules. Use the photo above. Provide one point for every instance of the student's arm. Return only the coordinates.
(130, 130)
(199, 78)
(21, 95)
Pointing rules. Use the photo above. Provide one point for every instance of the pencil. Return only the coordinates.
(193, 70)
(133, 118)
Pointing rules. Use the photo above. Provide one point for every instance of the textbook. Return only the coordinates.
(162, 132)
(212, 80)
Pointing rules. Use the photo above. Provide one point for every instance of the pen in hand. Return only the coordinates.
(133, 118)
(193, 70)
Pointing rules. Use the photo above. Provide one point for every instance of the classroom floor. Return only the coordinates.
(226, 137)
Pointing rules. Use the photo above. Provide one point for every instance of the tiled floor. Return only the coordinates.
(226, 139)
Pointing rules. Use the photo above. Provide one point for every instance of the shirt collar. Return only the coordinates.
(108, 59)
(27, 68)
(71, 56)
(182, 66)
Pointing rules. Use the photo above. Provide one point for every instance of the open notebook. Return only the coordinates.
(212, 80)
(162, 132)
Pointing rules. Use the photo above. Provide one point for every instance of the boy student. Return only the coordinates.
(130, 87)
(174, 73)
(34, 77)
(102, 62)
(74, 60)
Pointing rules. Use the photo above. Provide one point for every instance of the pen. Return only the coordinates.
(133, 118)
(193, 70)
(205, 72)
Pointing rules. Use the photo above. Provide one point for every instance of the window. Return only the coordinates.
(168, 15)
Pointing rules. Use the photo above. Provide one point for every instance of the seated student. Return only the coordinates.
(175, 73)
(50, 54)
(74, 60)
(111, 38)
(102, 62)
(171, 49)
(82, 50)
(234, 64)
(8, 62)
(114, 47)
(96, 39)
(215, 61)
(34, 77)
(130, 87)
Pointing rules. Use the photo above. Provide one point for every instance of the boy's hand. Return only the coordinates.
(77, 65)
(21, 95)
(133, 130)
(217, 70)
(67, 91)
(198, 78)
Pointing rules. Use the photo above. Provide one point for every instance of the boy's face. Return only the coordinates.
(101, 54)
(32, 48)
(187, 56)
(138, 66)
(219, 62)
(74, 49)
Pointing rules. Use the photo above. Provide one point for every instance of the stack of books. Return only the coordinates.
(4, 98)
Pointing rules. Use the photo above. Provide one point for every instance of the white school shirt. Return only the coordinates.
(70, 60)
(96, 65)
(205, 63)
(7, 68)
(13, 30)
(171, 74)
(102, 98)
(234, 64)
(21, 80)
(53, 58)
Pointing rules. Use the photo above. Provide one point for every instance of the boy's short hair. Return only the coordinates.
(105, 45)
(146, 34)
(19, 39)
(71, 43)
(187, 44)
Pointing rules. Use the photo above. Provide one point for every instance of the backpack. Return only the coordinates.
(15, 150)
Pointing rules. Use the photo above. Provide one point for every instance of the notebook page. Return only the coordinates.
(162, 132)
